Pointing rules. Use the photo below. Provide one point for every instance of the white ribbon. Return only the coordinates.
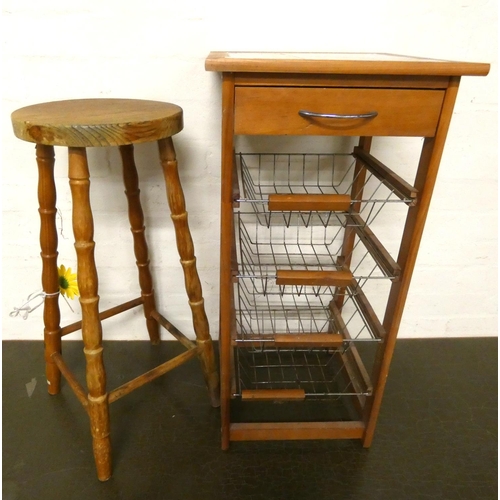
(26, 309)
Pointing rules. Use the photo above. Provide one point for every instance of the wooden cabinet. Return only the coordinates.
(311, 294)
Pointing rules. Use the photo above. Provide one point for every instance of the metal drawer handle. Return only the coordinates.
(312, 114)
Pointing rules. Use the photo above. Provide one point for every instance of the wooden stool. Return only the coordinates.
(78, 124)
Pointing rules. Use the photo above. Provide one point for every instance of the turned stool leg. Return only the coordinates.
(136, 218)
(185, 247)
(50, 277)
(83, 229)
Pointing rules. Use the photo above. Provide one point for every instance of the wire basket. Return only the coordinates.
(263, 250)
(264, 174)
(321, 374)
(301, 310)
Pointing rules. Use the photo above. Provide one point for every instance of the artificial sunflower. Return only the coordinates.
(67, 282)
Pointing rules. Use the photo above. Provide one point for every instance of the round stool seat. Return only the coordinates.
(97, 122)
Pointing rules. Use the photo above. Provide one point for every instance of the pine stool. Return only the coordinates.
(78, 124)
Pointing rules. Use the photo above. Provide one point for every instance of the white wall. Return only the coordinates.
(155, 50)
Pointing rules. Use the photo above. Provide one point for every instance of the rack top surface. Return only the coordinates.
(339, 63)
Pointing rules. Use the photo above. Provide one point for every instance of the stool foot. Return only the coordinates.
(102, 457)
(210, 374)
(136, 218)
(53, 376)
(154, 334)
(101, 442)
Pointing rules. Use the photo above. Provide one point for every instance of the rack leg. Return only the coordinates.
(136, 218)
(185, 247)
(425, 180)
(359, 177)
(50, 277)
(226, 309)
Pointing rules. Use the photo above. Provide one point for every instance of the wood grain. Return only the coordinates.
(357, 189)
(425, 181)
(273, 394)
(71, 379)
(349, 81)
(377, 250)
(83, 229)
(97, 122)
(316, 278)
(185, 247)
(275, 111)
(367, 311)
(108, 313)
(151, 375)
(387, 176)
(50, 277)
(136, 218)
(227, 245)
(309, 202)
(339, 63)
(272, 431)
(297, 340)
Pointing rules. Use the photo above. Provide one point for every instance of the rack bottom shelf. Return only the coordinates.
(297, 394)
(270, 431)
(332, 410)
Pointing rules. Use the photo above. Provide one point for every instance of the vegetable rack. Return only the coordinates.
(318, 249)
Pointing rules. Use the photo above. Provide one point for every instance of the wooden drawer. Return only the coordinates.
(275, 111)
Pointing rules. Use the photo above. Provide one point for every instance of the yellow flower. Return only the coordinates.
(67, 282)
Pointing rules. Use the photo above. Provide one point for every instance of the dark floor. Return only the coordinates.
(436, 437)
